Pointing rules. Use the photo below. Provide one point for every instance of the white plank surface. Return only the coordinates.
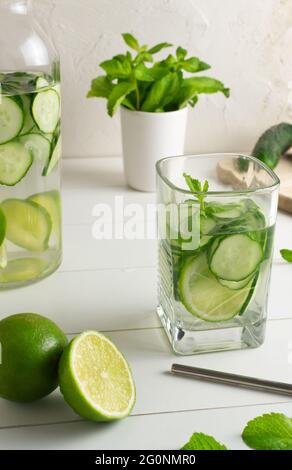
(160, 392)
(104, 299)
(111, 286)
(167, 431)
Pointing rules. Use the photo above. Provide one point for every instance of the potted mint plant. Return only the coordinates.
(154, 99)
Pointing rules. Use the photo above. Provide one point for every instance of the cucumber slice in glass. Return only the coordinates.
(51, 201)
(38, 145)
(225, 211)
(28, 120)
(236, 285)
(55, 157)
(15, 161)
(41, 82)
(28, 224)
(35, 130)
(23, 269)
(207, 225)
(11, 118)
(236, 257)
(46, 110)
(204, 297)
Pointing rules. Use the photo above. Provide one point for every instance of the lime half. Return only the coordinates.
(95, 378)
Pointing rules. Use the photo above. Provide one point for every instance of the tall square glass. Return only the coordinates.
(215, 251)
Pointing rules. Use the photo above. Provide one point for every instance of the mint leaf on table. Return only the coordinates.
(286, 255)
(200, 441)
(269, 432)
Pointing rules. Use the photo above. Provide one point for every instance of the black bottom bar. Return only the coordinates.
(127, 459)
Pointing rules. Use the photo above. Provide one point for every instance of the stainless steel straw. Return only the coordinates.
(232, 379)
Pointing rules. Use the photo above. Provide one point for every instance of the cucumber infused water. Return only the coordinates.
(30, 153)
(215, 256)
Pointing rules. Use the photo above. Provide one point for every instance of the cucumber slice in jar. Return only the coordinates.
(28, 120)
(2, 226)
(54, 158)
(236, 257)
(3, 256)
(15, 161)
(38, 145)
(51, 201)
(204, 297)
(28, 224)
(22, 269)
(3, 252)
(11, 118)
(46, 110)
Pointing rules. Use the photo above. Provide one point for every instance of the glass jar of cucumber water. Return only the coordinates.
(216, 219)
(30, 149)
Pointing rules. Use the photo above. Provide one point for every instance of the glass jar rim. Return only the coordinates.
(273, 186)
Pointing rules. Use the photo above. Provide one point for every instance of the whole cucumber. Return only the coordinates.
(273, 144)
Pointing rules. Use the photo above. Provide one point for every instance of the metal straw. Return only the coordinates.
(232, 379)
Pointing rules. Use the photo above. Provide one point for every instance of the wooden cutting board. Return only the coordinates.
(229, 175)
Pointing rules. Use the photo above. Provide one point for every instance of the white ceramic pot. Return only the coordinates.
(148, 137)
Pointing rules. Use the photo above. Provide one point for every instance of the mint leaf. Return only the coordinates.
(194, 65)
(206, 85)
(159, 47)
(193, 101)
(286, 255)
(118, 67)
(131, 41)
(118, 94)
(144, 57)
(198, 189)
(181, 53)
(269, 432)
(187, 94)
(143, 74)
(206, 186)
(101, 87)
(200, 441)
(162, 92)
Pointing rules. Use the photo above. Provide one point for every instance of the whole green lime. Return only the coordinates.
(30, 346)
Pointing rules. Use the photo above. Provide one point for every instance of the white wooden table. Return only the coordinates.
(110, 286)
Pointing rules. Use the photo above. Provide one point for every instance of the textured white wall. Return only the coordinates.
(248, 42)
